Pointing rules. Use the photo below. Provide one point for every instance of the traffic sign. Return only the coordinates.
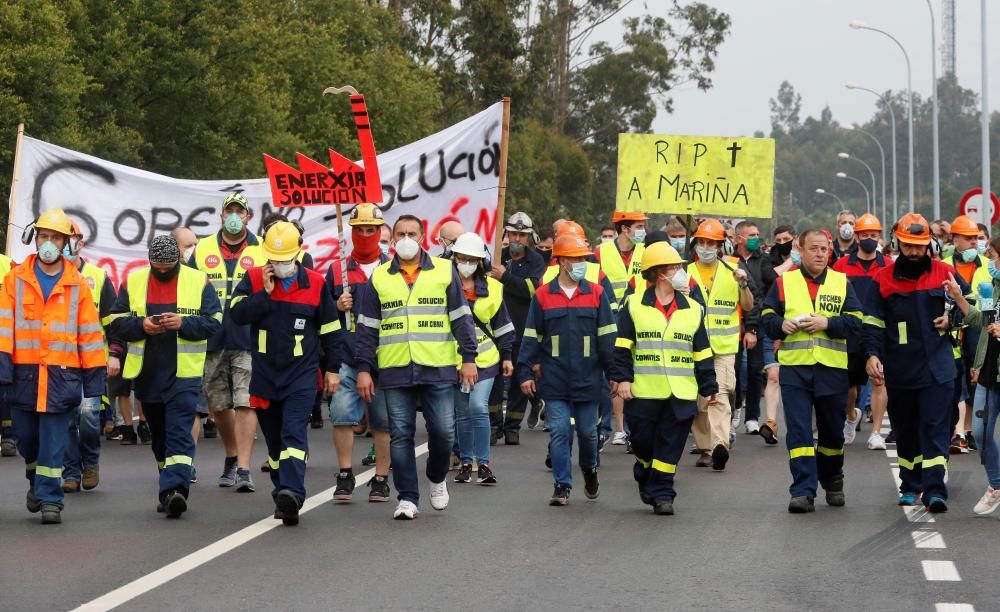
(971, 202)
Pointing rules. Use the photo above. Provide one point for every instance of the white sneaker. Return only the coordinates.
(988, 502)
(753, 427)
(439, 495)
(850, 426)
(619, 439)
(406, 511)
(876, 441)
(737, 415)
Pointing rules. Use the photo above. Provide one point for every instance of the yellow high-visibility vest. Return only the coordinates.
(802, 347)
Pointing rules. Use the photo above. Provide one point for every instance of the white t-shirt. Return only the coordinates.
(569, 291)
(370, 267)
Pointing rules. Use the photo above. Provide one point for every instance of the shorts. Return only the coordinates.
(227, 380)
(119, 386)
(856, 373)
(202, 403)
(347, 407)
(770, 359)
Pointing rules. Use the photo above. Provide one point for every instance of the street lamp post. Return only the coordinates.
(934, 117)
(832, 195)
(892, 115)
(860, 25)
(984, 208)
(874, 201)
(882, 154)
(868, 198)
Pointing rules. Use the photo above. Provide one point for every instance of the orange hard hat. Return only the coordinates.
(627, 216)
(711, 229)
(571, 227)
(76, 229)
(912, 229)
(868, 223)
(964, 226)
(569, 245)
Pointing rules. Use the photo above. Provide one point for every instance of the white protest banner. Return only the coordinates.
(450, 175)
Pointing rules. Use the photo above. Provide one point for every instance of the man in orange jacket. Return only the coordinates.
(51, 354)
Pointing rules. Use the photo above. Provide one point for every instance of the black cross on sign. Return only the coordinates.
(734, 148)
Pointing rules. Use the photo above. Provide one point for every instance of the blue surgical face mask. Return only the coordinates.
(68, 253)
(234, 223)
(385, 247)
(638, 236)
(796, 258)
(678, 243)
(969, 255)
(48, 252)
(981, 247)
(992, 269)
(578, 271)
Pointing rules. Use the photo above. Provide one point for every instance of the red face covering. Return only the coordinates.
(366, 249)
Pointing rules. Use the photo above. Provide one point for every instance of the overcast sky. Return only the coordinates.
(809, 44)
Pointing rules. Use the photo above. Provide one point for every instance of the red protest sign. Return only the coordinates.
(342, 182)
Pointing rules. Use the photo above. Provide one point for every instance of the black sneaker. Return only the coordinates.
(145, 436)
(175, 504)
(128, 436)
(316, 420)
(955, 447)
(496, 433)
(379, 489)
(720, 456)
(32, 502)
(971, 441)
(646, 499)
(51, 514)
(286, 507)
(114, 434)
(533, 415)
(591, 487)
(548, 462)
(511, 437)
(485, 475)
(8, 448)
(801, 505)
(835, 492)
(345, 487)
(464, 473)
(891, 438)
(664, 508)
(210, 429)
(560, 496)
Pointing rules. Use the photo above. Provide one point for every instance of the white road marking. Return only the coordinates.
(202, 556)
(917, 514)
(953, 607)
(925, 538)
(891, 452)
(940, 571)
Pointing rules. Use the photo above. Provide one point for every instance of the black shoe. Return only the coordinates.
(8, 448)
(128, 436)
(114, 434)
(834, 492)
(891, 438)
(801, 505)
(646, 499)
(287, 506)
(379, 489)
(548, 462)
(464, 473)
(591, 487)
(768, 434)
(664, 508)
(560, 496)
(704, 460)
(175, 504)
(970, 441)
(345, 487)
(145, 437)
(511, 437)
(484, 476)
(316, 421)
(495, 434)
(160, 508)
(602, 441)
(32, 502)
(720, 455)
(533, 416)
(51, 514)
(210, 429)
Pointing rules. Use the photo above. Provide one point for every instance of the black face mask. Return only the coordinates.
(784, 249)
(913, 267)
(167, 275)
(546, 255)
(868, 245)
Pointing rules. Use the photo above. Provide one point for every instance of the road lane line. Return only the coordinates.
(953, 607)
(202, 556)
(925, 538)
(940, 571)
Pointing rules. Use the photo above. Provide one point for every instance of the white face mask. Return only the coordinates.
(407, 248)
(186, 255)
(680, 280)
(285, 269)
(466, 270)
(706, 254)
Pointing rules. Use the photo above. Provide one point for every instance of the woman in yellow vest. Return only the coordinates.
(663, 362)
(812, 310)
(494, 340)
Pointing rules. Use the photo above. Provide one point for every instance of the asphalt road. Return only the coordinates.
(731, 545)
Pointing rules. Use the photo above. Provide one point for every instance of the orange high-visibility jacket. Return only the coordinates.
(52, 351)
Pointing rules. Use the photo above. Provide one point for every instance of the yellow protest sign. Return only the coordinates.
(691, 175)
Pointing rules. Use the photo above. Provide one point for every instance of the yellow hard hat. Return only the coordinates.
(56, 220)
(282, 242)
(660, 254)
(366, 214)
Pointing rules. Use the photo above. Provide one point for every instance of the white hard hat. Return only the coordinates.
(470, 244)
(519, 222)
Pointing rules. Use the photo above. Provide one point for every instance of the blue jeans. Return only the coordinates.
(985, 409)
(558, 414)
(438, 404)
(347, 407)
(472, 416)
(605, 424)
(83, 448)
